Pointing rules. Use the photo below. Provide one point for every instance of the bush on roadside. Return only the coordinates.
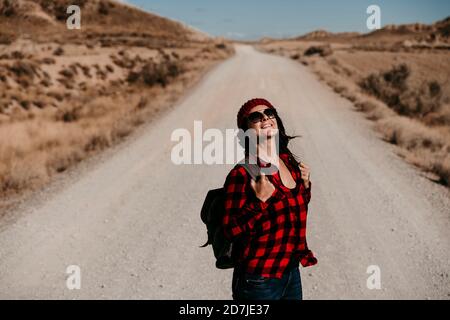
(323, 51)
(442, 169)
(392, 88)
(58, 8)
(103, 8)
(7, 8)
(152, 73)
(59, 51)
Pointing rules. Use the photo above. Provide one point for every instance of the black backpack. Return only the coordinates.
(212, 213)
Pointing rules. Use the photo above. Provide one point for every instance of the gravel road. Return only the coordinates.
(130, 217)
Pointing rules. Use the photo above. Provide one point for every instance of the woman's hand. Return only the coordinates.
(304, 169)
(263, 188)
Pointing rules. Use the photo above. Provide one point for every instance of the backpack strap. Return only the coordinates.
(252, 169)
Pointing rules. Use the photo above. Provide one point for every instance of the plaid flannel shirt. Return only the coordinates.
(267, 235)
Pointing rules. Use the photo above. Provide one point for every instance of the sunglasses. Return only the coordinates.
(257, 116)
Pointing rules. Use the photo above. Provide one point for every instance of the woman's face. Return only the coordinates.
(265, 127)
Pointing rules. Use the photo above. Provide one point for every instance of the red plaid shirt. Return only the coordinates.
(266, 235)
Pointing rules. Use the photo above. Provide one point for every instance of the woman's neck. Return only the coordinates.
(267, 150)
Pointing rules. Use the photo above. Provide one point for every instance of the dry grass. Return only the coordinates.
(35, 144)
(323, 51)
(421, 145)
(406, 93)
(152, 73)
(392, 88)
(63, 98)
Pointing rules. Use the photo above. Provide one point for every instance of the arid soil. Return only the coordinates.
(131, 219)
(398, 76)
(68, 94)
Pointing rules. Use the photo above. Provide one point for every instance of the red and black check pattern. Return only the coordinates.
(266, 235)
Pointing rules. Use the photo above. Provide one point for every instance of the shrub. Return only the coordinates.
(7, 9)
(103, 8)
(109, 68)
(152, 73)
(397, 76)
(39, 104)
(59, 51)
(221, 46)
(174, 69)
(67, 73)
(97, 142)
(48, 61)
(175, 55)
(17, 55)
(69, 116)
(58, 8)
(25, 104)
(86, 71)
(143, 102)
(56, 95)
(442, 169)
(392, 88)
(46, 83)
(323, 51)
(24, 69)
(133, 76)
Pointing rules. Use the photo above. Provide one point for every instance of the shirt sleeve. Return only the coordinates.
(241, 210)
(306, 192)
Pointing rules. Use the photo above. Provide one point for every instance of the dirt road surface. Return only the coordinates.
(130, 217)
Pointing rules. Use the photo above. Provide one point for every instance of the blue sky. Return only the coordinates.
(252, 19)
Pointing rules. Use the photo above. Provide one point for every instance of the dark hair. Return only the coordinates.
(283, 139)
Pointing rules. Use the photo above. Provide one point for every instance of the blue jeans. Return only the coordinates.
(255, 287)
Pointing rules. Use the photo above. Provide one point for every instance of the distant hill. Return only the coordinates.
(44, 18)
(439, 31)
(326, 35)
(68, 94)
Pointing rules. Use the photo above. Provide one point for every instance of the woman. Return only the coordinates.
(266, 219)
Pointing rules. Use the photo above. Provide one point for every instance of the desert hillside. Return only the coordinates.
(398, 75)
(416, 34)
(105, 19)
(66, 94)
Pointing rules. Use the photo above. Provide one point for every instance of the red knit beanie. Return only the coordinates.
(246, 107)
